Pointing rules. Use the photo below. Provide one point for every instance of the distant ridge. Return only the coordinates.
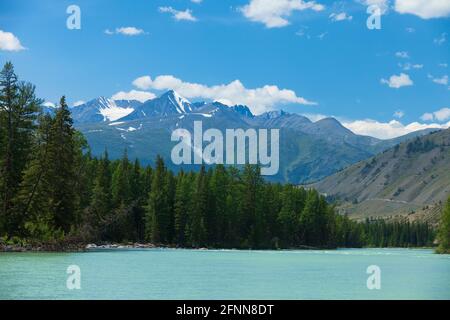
(309, 150)
(412, 178)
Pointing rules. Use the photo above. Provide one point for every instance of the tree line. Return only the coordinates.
(444, 230)
(52, 188)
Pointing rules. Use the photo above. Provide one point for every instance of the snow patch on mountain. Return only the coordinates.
(182, 104)
(110, 111)
(118, 123)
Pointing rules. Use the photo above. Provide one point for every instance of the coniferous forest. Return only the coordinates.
(53, 189)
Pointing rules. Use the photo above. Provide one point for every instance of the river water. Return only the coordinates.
(226, 274)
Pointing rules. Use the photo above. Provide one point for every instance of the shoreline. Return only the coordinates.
(91, 247)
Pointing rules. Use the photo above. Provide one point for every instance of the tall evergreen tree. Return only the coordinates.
(197, 221)
(444, 229)
(101, 203)
(217, 202)
(182, 206)
(157, 215)
(63, 158)
(121, 188)
(18, 111)
(33, 212)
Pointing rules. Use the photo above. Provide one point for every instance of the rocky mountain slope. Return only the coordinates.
(308, 150)
(412, 178)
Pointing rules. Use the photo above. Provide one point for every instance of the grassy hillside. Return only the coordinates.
(411, 179)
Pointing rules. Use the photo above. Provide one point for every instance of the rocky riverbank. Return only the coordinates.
(93, 246)
(72, 247)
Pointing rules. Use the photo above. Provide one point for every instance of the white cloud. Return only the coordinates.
(126, 31)
(196, 1)
(408, 66)
(399, 114)
(402, 54)
(427, 117)
(314, 117)
(388, 130)
(440, 115)
(425, 9)
(442, 38)
(402, 80)
(9, 42)
(443, 80)
(78, 103)
(274, 14)
(179, 15)
(143, 83)
(443, 65)
(141, 96)
(410, 29)
(259, 100)
(340, 16)
(382, 4)
(49, 104)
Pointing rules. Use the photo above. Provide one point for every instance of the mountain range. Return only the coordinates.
(411, 179)
(309, 150)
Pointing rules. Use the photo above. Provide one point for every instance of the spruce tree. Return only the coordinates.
(182, 206)
(288, 217)
(121, 189)
(62, 158)
(197, 227)
(101, 203)
(444, 230)
(18, 111)
(33, 211)
(156, 215)
(216, 218)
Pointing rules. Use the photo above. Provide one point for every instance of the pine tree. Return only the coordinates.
(62, 169)
(156, 215)
(197, 227)
(444, 230)
(139, 198)
(33, 212)
(288, 217)
(251, 221)
(217, 201)
(121, 189)
(18, 111)
(182, 206)
(310, 219)
(231, 231)
(101, 195)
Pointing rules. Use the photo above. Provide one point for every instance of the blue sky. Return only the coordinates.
(319, 58)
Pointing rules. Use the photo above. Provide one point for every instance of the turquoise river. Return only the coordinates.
(226, 274)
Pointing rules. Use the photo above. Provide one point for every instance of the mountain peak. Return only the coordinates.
(102, 109)
(273, 114)
(182, 104)
(243, 110)
(330, 120)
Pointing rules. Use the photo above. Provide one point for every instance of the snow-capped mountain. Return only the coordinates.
(181, 104)
(169, 103)
(103, 110)
(309, 150)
